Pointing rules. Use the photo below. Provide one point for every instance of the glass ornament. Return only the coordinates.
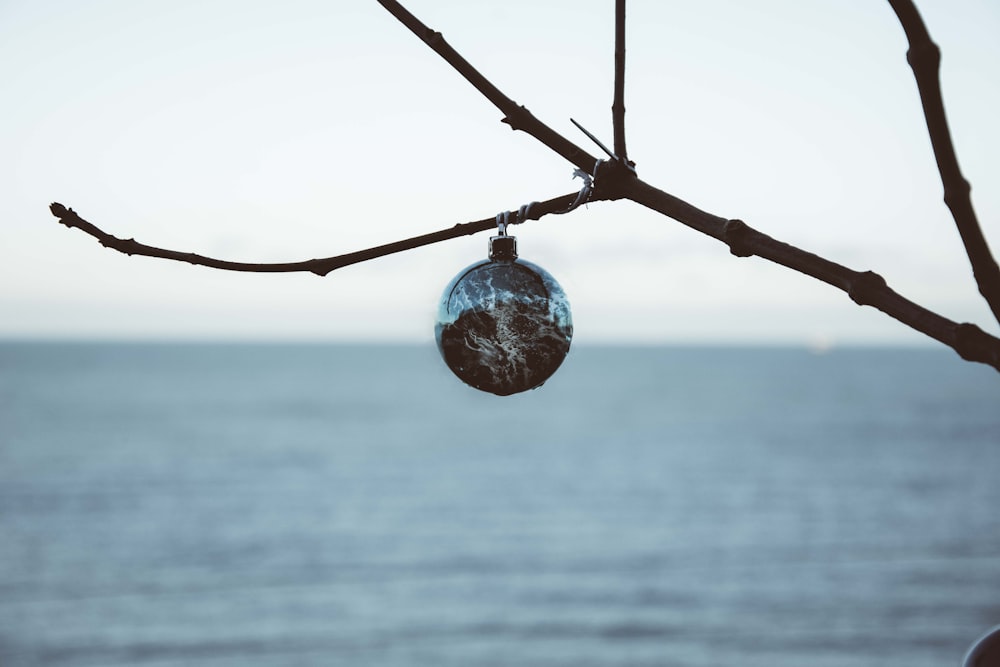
(504, 325)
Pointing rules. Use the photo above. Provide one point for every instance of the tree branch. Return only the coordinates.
(618, 106)
(864, 287)
(518, 117)
(924, 57)
(320, 267)
(615, 179)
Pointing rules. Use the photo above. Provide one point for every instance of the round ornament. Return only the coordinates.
(504, 325)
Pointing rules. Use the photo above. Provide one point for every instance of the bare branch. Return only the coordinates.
(924, 57)
(616, 179)
(618, 106)
(320, 267)
(864, 287)
(518, 117)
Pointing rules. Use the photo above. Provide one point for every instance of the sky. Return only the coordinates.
(272, 132)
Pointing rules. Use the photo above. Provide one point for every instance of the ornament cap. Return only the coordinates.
(503, 248)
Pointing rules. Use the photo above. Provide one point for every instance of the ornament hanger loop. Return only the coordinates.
(503, 247)
(503, 219)
(511, 218)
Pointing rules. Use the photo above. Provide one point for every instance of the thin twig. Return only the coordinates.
(320, 267)
(593, 138)
(924, 57)
(618, 106)
(518, 117)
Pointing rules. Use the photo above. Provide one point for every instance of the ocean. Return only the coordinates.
(279, 505)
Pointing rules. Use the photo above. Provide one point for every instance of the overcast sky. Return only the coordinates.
(263, 131)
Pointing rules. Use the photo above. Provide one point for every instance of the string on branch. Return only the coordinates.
(616, 178)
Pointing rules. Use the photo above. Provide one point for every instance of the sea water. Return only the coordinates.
(281, 505)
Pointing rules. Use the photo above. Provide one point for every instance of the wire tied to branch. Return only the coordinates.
(587, 191)
(525, 213)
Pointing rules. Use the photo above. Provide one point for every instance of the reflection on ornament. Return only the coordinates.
(504, 324)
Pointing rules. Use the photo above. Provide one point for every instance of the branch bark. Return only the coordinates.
(924, 58)
(320, 267)
(618, 106)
